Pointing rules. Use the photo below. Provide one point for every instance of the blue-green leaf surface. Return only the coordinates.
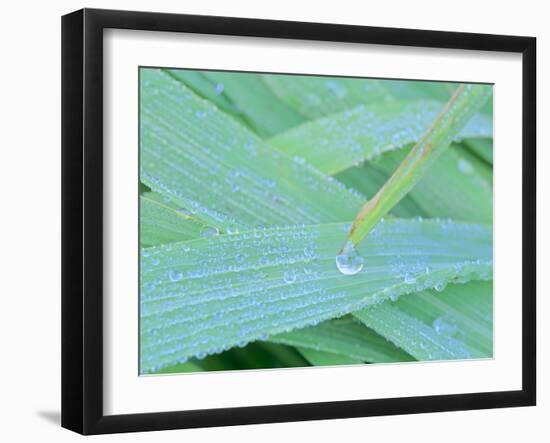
(339, 141)
(206, 295)
(454, 324)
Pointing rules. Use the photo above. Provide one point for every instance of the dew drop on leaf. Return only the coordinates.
(349, 262)
(175, 275)
(185, 212)
(289, 277)
(209, 231)
(439, 287)
(444, 325)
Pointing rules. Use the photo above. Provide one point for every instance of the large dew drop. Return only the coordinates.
(349, 262)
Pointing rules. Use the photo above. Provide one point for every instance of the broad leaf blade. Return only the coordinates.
(345, 336)
(337, 142)
(207, 162)
(458, 185)
(160, 223)
(207, 295)
(419, 90)
(483, 148)
(315, 96)
(454, 324)
(244, 96)
(323, 358)
(262, 110)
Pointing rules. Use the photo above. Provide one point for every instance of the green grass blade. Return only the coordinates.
(368, 179)
(323, 358)
(419, 90)
(339, 141)
(458, 185)
(482, 148)
(207, 89)
(207, 295)
(314, 96)
(160, 223)
(244, 96)
(188, 366)
(454, 324)
(207, 162)
(461, 107)
(347, 337)
(262, 110)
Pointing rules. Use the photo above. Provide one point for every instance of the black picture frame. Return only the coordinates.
(82, 220)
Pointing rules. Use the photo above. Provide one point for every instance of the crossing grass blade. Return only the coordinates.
(325, 358)
(347, 337)
(243, 96)
(315, 96)
(458, 185)
(464, 103)
(161, 223)
(339, 141)
(454, 324)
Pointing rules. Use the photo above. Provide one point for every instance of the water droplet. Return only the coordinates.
(465, 166)
(219, 88)
(209, 231)
(409, 279)
(175, 275)
(289, 277)
(349, 262)
(440, 286)
(185, 212)
(445, 325)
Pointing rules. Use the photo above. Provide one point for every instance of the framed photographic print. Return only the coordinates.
(269, 221)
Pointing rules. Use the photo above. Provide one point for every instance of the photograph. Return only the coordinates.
(296, 220)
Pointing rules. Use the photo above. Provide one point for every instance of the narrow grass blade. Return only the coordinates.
(367, 179)
(262, 110)
(182, 367)
(458, 185)
(339, 141)
(482, 148)
(419, 90)
(244, 96)
(323, 358)
(205, 88)
(160, 223)
(207, 295)
(345, 336)
(461, 107)
(454, 324)
(314, 96)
